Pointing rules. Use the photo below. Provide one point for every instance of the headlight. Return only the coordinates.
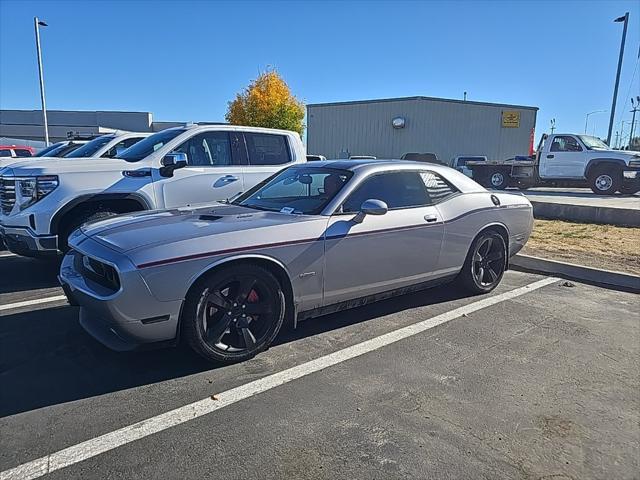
(31, 189)
(634, 163)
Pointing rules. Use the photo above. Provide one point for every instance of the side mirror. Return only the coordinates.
(173, 161)
(374, 207)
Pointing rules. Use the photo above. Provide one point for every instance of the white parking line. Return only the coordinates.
(36, 301)
(104, 443)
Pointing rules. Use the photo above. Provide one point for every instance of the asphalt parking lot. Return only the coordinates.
(531, 383)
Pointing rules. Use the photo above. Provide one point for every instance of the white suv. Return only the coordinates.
(42, 203)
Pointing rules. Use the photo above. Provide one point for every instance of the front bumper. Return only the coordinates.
(22, 241)
(125, 320)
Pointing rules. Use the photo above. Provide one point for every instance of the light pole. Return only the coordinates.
(553, 125)
(37, 24)
(635, 106)
(624, 19)
(586, 122)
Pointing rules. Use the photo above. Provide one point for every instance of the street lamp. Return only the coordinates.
(635, 108)
(37, 24)
(624, 19)
(586, 122)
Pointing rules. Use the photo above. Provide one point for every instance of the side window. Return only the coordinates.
(5, 153)
(565, 144)
(438, 189)
(22, 152)
(267, 149)
(120, 147)
(396, 189)
(208, 149)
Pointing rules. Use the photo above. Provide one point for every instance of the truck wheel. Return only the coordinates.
(629, 190)
(75, 222)
(498, 180)
(605, 180)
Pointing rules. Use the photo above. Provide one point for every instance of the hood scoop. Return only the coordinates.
(209, 218)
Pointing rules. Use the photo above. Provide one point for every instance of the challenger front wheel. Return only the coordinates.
(234, 313)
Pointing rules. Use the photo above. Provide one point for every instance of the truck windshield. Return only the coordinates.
(593, 143)
(90, 148)
(146, 147)
(51, 149)
(296, 190)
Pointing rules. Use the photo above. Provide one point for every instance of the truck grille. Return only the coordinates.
(7, 194)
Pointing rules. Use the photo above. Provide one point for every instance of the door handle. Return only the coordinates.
(550, 156)
(225, 180)
(431, 218)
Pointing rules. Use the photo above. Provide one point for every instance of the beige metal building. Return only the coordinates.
(389, 128)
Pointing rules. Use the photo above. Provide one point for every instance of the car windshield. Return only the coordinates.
(90, 148)
(296, 190)
(593, 143)
(50, 149)
(146, 147)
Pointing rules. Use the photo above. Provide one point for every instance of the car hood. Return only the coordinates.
(216, 225)
(55, 165)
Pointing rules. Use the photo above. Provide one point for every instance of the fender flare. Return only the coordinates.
(96, 197)
(595, 162)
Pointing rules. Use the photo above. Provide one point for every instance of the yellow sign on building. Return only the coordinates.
(510, 119)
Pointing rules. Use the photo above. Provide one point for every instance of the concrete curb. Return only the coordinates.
(623, 217)
(580, 273)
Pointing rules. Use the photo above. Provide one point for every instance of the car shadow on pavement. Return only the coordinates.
(18, 274)
(47, 359)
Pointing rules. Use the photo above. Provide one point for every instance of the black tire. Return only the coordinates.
(485, 263)
(218, 319)
(605, 180)
(630, 190)
(74, 223)
(498, 179)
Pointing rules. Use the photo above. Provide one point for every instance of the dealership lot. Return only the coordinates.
(530, 384)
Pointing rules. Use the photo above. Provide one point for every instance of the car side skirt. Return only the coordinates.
(361, 301)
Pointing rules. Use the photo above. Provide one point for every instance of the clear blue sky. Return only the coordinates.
(184, 60)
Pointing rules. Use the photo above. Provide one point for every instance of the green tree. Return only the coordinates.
(267, 102)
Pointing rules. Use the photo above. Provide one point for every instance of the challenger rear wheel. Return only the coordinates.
(233, 313)
(485, 263)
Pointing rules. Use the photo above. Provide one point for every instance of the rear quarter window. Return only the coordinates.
(267, 149)
(438, 189)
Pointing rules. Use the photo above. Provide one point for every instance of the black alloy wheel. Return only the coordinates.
(234, 313)
(485, 264)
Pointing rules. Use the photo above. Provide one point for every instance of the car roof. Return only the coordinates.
(377, 164)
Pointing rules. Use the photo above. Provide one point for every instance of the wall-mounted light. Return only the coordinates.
(398, 122)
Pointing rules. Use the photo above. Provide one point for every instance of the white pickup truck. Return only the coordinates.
(565, 160)
(42, 203)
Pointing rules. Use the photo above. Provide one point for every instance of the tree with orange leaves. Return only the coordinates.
(267, 102)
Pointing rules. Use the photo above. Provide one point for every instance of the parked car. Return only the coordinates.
(562, 160)
(422, 157)
(459, 163)
(173, 168)
(310, 240)
(16, 151)
(60, 149)
(104, 146)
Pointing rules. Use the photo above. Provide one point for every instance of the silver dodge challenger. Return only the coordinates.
(310, 240)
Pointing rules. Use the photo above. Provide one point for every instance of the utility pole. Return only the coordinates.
(37, 24)
(636, 107)
(624, 19)
(615, 145)
(553, 125)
